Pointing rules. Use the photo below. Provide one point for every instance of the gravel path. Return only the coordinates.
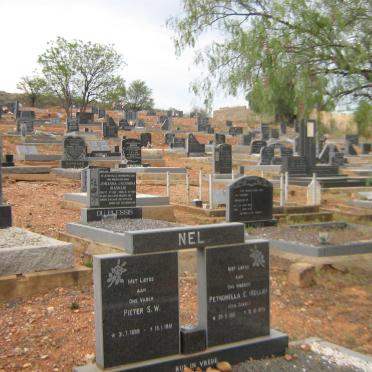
(16, 237)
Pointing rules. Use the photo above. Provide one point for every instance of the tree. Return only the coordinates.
(363, 118)
(33, 86)
(324, 44)
(138, 96)
(79, 71)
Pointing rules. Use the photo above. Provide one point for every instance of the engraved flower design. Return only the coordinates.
(115, 276)
(257, 257)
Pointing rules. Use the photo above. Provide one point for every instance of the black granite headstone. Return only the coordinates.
(238, 295)
(202, 123)
(250, 200)
(131, 151)
(219, 138)
(136, 307)
(179, 142)
(274, 133)
(107, 189)
(223, 159)
(85, 117)
(245, 139)
(101, 113)
(256, 146)
(266, 155)
(145, 139)
(110, 129)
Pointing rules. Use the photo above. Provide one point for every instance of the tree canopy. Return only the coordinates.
(33, 86)
(82, 72)
(138, 96)
(303, 52)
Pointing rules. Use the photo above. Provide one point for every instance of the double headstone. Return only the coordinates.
(74, 152)
(131, 151)
(250, 200)
(136, 298)
(222, 159)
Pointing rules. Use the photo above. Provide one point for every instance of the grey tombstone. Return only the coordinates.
(136, 307)
(131, 150)
(222, 159)
(99, 148)
(74, 152)
(237, 302)
(250, 200)
(266, 155)
(219, 138)
(256, 146)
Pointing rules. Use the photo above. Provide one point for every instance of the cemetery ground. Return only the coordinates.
(54, 331)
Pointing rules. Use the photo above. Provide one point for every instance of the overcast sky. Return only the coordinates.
(135, 27)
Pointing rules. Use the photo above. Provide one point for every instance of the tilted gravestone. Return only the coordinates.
(110, 129)
(250, 200)
(5, 210)
(222, 159)
(256, 146)
(145, 139)
(266, 155)
(219, 138)
(74, 152)
(194, 148)
(131, 151)
(136, 301)
(72, 125)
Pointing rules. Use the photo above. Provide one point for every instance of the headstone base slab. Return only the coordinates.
(261, 223)
(74, 163)
(273, 345)
(5, 216)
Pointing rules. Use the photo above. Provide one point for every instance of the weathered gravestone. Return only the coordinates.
(137, 302)
(72, 125)
(194, 148)
(74, 152)
(25, 119)
(256, 146)
(110, 129)
(5, 210)
(219, 138)
(131, 151)
(266, 155)
(265, 131)
(250, 200)
(99, 148)
(222, 159)
(145, 139)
